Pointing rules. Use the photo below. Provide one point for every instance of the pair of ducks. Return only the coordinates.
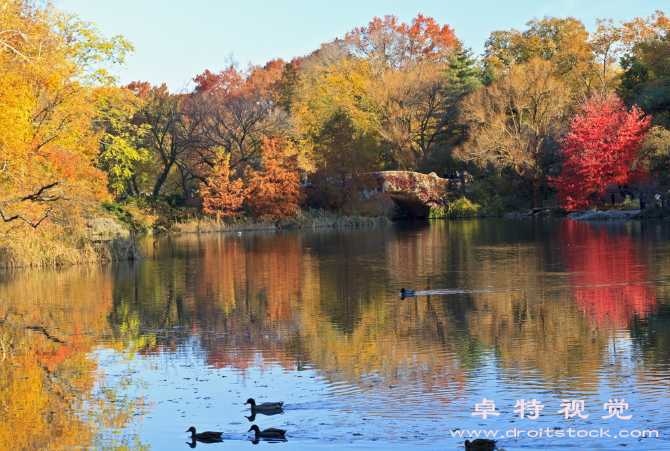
(266, 407)
(210, 436)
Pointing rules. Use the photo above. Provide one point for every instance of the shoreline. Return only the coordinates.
(303, 221)
(122, 245)
(108, 241)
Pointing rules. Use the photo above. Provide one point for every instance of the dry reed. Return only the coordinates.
(36, 251)
(302, 220)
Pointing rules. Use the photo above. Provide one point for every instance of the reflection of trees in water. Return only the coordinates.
(324, 299)
(610, 280)
(524, 319)
(297, 298)
(50, 321)
(328, 299)
(653, 338)
(614, 258)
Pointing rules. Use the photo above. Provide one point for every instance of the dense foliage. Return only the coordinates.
(266, 140)
(52, 87)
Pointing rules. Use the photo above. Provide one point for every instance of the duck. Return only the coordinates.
(205, 436)
(266, 406)
(406, 293)
(269, 432)
(480, 444)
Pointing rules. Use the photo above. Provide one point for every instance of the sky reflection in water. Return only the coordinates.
(505, 310)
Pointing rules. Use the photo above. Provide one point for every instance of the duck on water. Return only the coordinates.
(406, 293)
(267, 433)
(207, 436)
(480, 444)
(266, 406)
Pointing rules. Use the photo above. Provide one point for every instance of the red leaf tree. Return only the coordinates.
(601, 149)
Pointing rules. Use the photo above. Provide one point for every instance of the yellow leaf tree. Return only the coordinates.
(513, 122)
(51, 72)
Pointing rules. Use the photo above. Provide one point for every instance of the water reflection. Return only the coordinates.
(505, 310)
(611, 282)
(51, 322)
(252, 417)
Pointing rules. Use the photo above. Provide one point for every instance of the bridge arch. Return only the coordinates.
(414, 192)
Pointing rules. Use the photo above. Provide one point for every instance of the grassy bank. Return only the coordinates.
(302, 220)
(175, 215)
(654, 212)
(465, 208)
(45, 250)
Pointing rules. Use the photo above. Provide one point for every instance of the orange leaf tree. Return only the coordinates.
(221, 194)
(235, 108)
(392, 79)
(274, 191)
(396, 44)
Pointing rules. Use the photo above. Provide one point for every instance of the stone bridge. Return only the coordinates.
(416, 193)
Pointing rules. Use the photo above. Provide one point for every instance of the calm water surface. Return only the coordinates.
(536, 317)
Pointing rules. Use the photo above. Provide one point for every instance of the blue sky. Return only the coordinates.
(175, 41)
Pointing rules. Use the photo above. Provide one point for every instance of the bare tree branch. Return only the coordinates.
(40, 195)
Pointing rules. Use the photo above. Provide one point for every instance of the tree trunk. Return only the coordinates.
(161, 180)
(535, 194)
(134, 179)
(184, 181)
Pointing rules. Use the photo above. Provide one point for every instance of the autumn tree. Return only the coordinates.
(222, 194)
(273, 191)
(408, 85)
(386, 43)
(123, 155)
(235, 109)
(51, 68)
(646, 63)
(346, 160)
(601, 148)
(166, 131)
(285, 87)
(656, 150)
(417, 106)
(332, 80)
(512, 123)
(390, 78)
(586, 62)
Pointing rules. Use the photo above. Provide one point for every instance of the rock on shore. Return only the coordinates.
(105, 229)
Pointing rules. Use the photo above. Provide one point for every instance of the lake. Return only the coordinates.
(548, 333)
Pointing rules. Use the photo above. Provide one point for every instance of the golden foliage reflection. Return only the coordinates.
(50, 322)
